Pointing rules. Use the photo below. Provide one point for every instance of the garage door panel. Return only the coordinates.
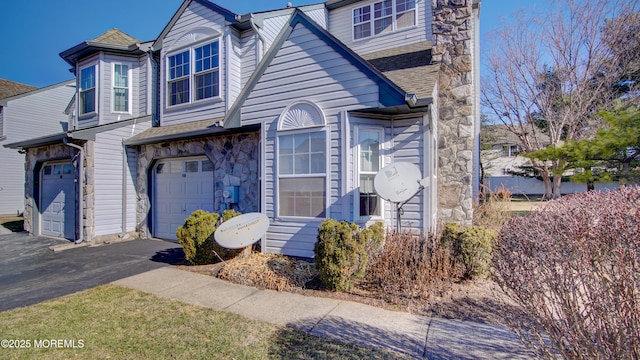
(178, 193)
(57, 201)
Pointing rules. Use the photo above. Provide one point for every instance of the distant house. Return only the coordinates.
(289, 112)
(25, 112)
(503, 166)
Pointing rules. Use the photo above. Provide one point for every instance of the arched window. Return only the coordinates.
(302, 161)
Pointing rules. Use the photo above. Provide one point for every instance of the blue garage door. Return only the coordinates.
(57, 201)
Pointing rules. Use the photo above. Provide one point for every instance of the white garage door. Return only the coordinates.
(181, 186)
(57, 201)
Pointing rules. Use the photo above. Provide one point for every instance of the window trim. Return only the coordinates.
(128, 88)
(357, 148)
(191, 48)
(81, 91)
(326, 175)
(371, 21)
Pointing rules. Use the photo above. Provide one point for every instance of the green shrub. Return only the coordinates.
(471, 246)
(197, 237)
(228, 214)
(339, 257)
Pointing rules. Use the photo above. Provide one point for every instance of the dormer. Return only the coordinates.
(373, 25)
(113, 76)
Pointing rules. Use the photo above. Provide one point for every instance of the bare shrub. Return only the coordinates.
(410, 267)
(574, 267)
(493, 209)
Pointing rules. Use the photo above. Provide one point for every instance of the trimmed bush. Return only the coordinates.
(574, 267)
(196, 237)
(471, 246)
(341, 252)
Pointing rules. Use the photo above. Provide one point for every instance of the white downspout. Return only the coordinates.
(80, 190)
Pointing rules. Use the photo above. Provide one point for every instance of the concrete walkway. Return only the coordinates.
(414, 335)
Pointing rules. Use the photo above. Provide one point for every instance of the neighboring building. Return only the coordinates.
(25, 112)
(80, 182)
(288, 112)
(502, 162)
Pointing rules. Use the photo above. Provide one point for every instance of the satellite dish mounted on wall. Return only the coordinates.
(242, 231)
(398, 183)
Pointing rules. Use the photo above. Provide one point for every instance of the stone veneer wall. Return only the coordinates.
(53, 153)
(235, 160)
(453, 50)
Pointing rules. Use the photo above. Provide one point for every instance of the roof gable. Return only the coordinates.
(228, 16)
(389, 93)
(116, 37)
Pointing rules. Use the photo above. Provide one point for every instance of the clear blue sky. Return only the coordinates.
(34, 32)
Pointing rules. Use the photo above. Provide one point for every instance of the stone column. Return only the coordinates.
(453, 50)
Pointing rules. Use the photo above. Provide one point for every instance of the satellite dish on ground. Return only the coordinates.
(397, 182)
(242, 231)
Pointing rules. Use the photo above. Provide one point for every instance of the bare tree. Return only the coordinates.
(549, 73)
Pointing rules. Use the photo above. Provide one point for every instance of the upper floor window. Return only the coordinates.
(120, 88)
(192, 80)
(88, 90)
(382, 17)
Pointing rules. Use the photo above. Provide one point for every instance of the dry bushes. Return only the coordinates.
(574, 267)
(410, 267)
(268, 271)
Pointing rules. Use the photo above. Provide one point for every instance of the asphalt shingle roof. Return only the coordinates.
(409, 67)
(12, 88)
(116, 37)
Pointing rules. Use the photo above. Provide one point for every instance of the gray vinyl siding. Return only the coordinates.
(36, 114)
(249, 59)
(320, 16)
(235, 66)
(341, 24)
(305, 68)
(108, 180)
(272, 27)
(194, 17)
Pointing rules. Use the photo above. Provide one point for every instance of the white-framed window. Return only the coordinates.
(88, 90)
(121, 88)
(193, 74)
(383, 17)
(302, 174)
(302, 162)
(369, 151)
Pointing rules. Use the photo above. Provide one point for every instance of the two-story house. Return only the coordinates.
(289, 112)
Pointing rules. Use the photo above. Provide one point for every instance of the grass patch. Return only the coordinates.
(13, 223)
(120, 323)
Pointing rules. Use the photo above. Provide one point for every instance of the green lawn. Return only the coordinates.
(111, 322)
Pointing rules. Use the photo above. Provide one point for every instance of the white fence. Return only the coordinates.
(530, 186)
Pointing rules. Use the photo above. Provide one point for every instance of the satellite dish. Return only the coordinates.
(397, 182)
(242, 231)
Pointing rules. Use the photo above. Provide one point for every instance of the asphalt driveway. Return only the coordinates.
(31, 273)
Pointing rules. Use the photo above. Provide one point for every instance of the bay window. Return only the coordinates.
(88, 90)
(120, 88)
